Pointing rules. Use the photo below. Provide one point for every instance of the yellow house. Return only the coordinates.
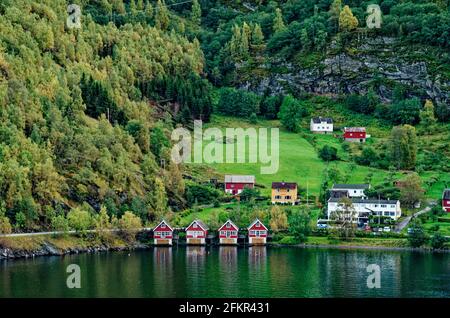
(284, 192)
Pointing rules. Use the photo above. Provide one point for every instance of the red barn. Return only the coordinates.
(228, 233)
(446, 200)
(355, 134)
(196, 233)
(235, 184)
(163, 234)
(257, 233)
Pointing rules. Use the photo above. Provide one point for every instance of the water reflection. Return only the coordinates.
(163, 272)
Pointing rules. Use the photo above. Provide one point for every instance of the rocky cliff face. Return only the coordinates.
(377, 63)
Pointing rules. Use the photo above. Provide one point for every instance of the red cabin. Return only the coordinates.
(228, 233)
(235, 184)
(196, 233)
(257, 233)
(163, 234)
(446, 200)
(355, 134)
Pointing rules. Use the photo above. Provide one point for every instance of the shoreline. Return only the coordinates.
(47, 248)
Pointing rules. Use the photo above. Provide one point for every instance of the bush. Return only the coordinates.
(79, 220)
(5, 225)
(60, 223)
(417, 236)
(299, 225)
(129, 224)
(438, 241)
(288, 240)
(202, 194)
(328, 153)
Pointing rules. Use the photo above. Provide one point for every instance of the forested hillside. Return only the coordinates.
(86, 114)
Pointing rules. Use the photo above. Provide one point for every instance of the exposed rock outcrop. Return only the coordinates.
(377, 63)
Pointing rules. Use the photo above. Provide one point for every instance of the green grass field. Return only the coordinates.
(299, 161)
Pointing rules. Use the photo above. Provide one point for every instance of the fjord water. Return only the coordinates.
(231, 272)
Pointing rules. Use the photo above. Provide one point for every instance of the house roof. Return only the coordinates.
(338, 193)
(446, 194)
(232, 224)
(343, 186)
(368, 201)
(355, 129)
(163, 221)
(200, 223)
(253, 223)
(239, 179)
(319, 120)
(283, 185)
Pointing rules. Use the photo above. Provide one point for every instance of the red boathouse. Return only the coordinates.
(196, 233)
(163, 234)
(228, 233)
(257, 233)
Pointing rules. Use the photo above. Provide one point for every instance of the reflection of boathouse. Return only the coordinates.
(195, 255)
(163, 279)
(228, 255)
(257, 256)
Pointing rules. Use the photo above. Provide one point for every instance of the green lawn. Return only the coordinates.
(298, 161)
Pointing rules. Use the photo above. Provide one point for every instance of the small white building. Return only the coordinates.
(353, 190)
(321, 125)
(363, 208)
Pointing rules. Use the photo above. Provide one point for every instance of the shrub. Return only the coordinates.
(79, 220)
(60, 223)
(5, 225)
(288, 240)
(438, 241)
(328, 153)
(129, 224)
(236, 102)
(417, 237)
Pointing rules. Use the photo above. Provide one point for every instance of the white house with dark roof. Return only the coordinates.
(365, 207)
(353, 190)
(321, 125)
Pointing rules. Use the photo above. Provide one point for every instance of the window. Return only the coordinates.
(384, 206)
(278, 197)
(288, 197)
(194, 225)
(386, 213)
(392, 213)
(392, 205)
(228, 225)
(163, 226)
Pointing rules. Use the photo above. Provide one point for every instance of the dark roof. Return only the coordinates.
(338, 194)
(282, 185)
(351, 186)
(446, 194)
(370, 201)
(318, 120)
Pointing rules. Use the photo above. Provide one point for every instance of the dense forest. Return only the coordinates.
(86, 114)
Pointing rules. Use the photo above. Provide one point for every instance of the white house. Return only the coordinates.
(321, 125)
(354, 190)
(365, 207)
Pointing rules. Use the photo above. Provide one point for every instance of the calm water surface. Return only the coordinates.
(231, 272)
